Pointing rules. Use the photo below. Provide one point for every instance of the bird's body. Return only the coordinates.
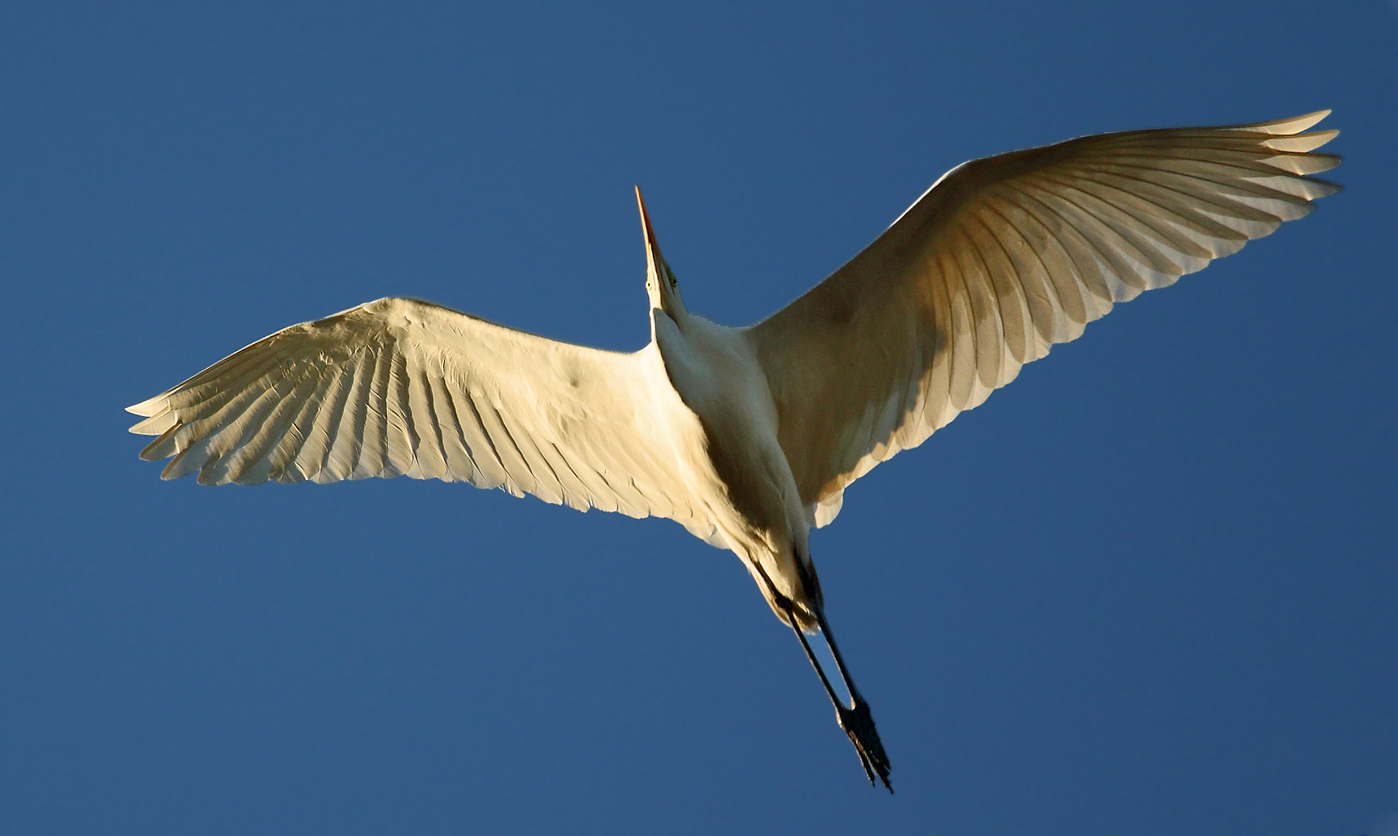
(735, 460)
(749, 436)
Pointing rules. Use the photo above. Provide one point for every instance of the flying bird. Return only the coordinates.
(748, 437)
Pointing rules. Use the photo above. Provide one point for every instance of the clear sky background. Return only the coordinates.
(1149, 588)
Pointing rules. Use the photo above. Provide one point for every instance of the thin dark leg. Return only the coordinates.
(856, 720)
(810, 655)
(835, 652)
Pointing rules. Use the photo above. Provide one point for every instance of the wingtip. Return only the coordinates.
(1295, 124)
(1301, 142)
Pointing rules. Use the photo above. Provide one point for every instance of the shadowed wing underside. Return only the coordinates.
(1001, 259)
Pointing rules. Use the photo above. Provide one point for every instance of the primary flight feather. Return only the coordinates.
(749, 436)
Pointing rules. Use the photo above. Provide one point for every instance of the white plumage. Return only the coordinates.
(749, 436)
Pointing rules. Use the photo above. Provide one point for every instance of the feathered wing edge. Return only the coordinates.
(1003, 258)
(404, 387)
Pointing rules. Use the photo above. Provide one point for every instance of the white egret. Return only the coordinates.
(749, 436)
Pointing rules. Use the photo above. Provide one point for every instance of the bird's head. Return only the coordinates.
(661, 284)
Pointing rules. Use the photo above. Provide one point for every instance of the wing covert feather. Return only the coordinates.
(1001, 259)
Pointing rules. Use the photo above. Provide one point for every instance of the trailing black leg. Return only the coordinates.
(855, 719)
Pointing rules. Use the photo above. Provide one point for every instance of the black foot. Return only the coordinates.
(858, 723)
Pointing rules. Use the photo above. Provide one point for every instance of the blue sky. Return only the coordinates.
(1149, 588)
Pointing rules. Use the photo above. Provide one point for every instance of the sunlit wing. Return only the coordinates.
(403, 387)
(1001, 259)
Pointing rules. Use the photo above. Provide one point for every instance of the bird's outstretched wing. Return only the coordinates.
(1002, 258)
(404, 387)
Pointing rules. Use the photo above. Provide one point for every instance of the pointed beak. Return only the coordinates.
(661, 286)
(653, 259)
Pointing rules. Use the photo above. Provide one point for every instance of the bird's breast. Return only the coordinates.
(716, 374)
